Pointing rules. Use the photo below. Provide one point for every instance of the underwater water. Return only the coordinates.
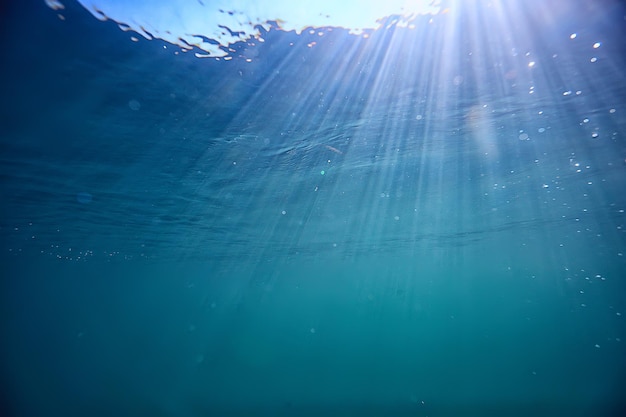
(415, 221)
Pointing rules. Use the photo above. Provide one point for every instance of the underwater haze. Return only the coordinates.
(359, 208)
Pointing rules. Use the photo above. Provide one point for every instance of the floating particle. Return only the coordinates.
(84, 198)
(333, 149)
(134, 105)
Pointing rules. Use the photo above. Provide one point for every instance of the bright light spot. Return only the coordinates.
(572, 36)
(531, 64)
(596, 45)
(55, 5)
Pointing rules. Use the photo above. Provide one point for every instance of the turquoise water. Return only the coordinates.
(419, 223)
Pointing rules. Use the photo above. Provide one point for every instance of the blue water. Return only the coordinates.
(421, 223)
